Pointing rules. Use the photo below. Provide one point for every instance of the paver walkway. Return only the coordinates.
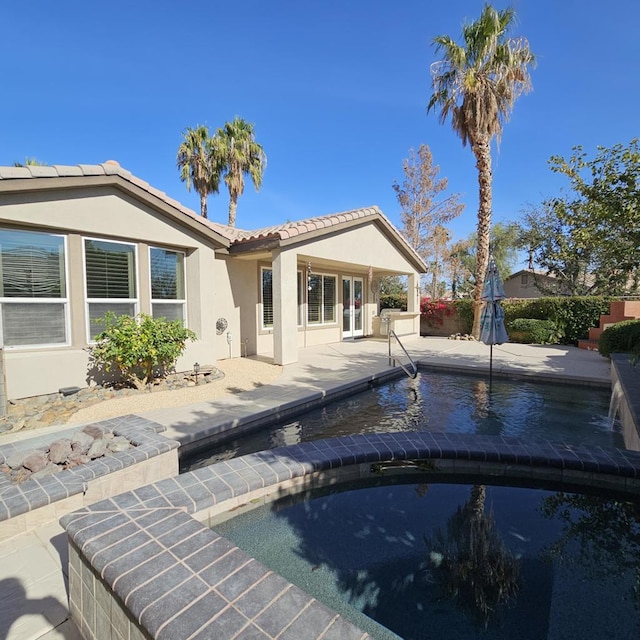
(33, 590)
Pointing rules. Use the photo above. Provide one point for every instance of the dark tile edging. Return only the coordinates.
(172, 572)
(34, 493)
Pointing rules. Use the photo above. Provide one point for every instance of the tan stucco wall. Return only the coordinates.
(363, 246)
(108, 214)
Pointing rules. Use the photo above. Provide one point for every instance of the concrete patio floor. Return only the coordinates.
(33, 581)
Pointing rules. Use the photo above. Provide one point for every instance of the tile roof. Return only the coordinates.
(109, 168)
(233, 235)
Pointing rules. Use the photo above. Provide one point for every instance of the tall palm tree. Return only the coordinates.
(477, 84)
(239, 154)
(198, 165)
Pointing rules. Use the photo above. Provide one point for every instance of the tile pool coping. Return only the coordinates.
(175, 578)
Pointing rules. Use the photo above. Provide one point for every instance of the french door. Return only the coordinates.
(352, 307)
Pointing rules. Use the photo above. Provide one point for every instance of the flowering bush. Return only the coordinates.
(435, 311)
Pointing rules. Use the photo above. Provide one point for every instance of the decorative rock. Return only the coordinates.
(97, 449)
(15, 460)
(60, 450)
(93, 431)
(81, 442)
(35, 461)
(119, 443)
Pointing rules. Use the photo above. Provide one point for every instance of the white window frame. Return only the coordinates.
(170, 301)
(135, 301)
(64, 301)
(322, 321)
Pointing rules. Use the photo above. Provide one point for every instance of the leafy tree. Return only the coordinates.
(477, 84)
(504, 243)
(238, 154)
(198, 165)
(590, 237)
(138, 349)
(393, 286)
(425, 211)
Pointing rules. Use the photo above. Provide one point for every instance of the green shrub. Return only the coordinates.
(138, 349)
(573, 315)
(464, 311)
(393, 301)
(533, 331)
(622, 337)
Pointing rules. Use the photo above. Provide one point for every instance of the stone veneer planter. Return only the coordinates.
(36, 502)
(143, 564)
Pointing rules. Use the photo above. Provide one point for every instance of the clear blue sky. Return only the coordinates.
(337, 91)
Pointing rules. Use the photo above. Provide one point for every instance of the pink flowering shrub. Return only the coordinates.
(435, 311)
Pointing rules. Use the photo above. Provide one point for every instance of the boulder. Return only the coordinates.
(60, 450)
(35, 461)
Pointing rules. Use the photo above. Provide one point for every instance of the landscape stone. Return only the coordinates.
(97, 449)
(60, 450)
(35, 461)
(81, 442)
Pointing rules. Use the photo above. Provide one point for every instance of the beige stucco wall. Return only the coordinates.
(106, 213)
(363, 246)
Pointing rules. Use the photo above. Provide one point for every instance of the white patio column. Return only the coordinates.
(413, 298)
(285, 307)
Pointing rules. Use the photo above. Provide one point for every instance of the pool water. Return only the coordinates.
(445, 403)
(458, 561)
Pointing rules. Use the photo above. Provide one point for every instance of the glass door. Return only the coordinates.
(352, 307)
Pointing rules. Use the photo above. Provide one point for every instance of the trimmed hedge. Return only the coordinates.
(533, 331)
(622, 337)
(393, 301)
(573, 316)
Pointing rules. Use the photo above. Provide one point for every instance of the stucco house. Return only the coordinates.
(526, 283)
(77, 241)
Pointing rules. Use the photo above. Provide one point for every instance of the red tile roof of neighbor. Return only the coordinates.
(235, 236)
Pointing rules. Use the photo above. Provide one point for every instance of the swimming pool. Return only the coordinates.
(443, 403)
(458, 561)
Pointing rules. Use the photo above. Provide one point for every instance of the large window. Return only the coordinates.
(111, 280)
(266, 275)
(167, 284)
(33, 289)
(321, 299)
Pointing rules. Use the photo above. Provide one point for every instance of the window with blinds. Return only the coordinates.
(321, 299)
(110, 271)
(167, 284)
(33, 288)
(267, 297)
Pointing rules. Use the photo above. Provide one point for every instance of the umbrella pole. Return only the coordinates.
(490, 365)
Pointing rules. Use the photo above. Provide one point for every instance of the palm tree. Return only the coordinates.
(198, 165)
(477, 84)
(238, 154)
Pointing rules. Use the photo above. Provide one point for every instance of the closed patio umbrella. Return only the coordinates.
(492, 329)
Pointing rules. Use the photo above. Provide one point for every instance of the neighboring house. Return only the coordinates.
(78, 241)
(526, 283)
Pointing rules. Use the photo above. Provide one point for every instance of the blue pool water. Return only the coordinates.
(439, 402)
(422, 561)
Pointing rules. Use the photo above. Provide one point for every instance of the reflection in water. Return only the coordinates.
(470, 562)
(600, 534)
(480, 393)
